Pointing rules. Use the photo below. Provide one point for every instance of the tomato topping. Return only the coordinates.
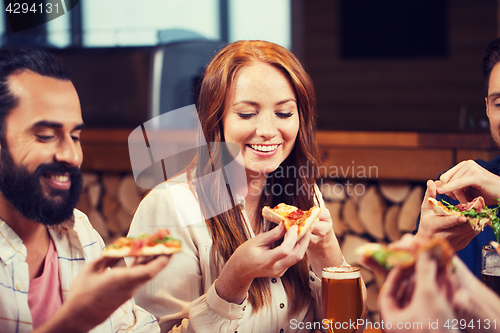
(137, 245)
(296, 214)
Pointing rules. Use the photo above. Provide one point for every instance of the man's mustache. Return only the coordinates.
(56, 168)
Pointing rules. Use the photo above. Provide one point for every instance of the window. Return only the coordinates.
(59, 32)
(111, 23)
(137, 22)
(260, 19)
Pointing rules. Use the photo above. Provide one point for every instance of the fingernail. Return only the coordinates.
(440, 189)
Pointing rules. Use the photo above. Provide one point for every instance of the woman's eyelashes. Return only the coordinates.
(279, 114)
(243, 115)
(284, 114)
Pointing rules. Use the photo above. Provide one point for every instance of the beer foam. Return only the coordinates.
(341, 273)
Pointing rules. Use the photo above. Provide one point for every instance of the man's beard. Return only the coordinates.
(25, 193)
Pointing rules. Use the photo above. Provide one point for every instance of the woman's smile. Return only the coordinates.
(261, 117)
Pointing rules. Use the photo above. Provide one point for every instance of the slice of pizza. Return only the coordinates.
(161, 242)
(477, 213)
(292, 215)
(387, 258)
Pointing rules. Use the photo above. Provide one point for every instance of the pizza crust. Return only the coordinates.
(269, 214)
(116, 253)
(125, 251)
(440, 209)
(159, 249)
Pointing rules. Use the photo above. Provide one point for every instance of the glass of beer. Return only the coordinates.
(490, 272)
(342, 301)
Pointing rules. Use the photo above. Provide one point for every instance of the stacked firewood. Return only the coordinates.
(371, 212)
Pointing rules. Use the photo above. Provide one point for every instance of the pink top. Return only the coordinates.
(44, 295)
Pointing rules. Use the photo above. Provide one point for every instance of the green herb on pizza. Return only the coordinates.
(477, 213)
(388, 258)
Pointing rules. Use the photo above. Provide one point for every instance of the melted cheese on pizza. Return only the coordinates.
(292, 214)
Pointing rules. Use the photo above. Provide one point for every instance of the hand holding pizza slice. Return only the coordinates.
(292, 215)
(161, 242)
(477, 213)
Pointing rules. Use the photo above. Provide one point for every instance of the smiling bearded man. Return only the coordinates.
(25, 193)
(52, 275)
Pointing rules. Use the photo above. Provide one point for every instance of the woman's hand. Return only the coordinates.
(266, 262)
(255, 258)
(322, 230)
(324, 250)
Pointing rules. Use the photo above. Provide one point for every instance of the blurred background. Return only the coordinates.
(377, 65)
(399, 89)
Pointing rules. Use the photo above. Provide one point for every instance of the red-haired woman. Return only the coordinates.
(237, 271)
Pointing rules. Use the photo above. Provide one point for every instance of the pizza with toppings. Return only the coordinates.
(387, 258)
(161, 242)
(292, 215)
(477, 213)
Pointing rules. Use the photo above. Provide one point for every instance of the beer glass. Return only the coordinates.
(490, 272)
(342, 301)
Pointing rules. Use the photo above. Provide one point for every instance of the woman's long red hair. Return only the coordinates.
(228, 229)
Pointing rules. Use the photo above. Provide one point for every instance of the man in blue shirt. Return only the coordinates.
(469, 179)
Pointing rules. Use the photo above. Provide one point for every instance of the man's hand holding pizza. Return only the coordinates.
(98, 291)
(453, 228)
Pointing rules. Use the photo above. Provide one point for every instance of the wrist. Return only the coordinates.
(324, 245)
(325, 256)
(63, 322)
(423, 232)
(231, 291)
(232, 285)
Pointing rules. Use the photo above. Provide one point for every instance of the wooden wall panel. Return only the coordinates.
(417, 94)
(469, 154)
(396, 156)
(382, 164)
